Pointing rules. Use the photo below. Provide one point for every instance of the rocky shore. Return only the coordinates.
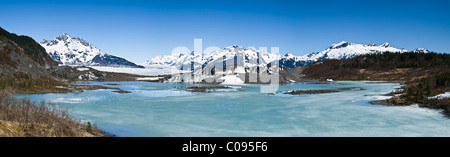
(302, 92)
(204, 89)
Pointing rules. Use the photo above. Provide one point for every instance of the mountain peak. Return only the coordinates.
(66, 38)
(234, 47)
(340, 45)
(421, 50)
(63, 37)
(64, 34)
(75, 51)
(386, 44)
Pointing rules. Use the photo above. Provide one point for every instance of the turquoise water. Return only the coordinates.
(161, 109)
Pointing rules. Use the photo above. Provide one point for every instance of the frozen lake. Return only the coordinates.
(163, 109)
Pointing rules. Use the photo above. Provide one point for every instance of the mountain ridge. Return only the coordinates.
(67, 50)
(340, 51)
(31, 48)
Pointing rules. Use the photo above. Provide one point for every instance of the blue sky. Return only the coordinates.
(139, 30)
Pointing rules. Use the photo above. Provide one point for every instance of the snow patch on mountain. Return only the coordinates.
(441, 96)
(89, 76)
(421, 50)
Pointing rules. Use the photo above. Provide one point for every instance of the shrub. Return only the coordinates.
(42, 119)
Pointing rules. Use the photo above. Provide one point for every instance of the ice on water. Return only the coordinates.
(163, 109)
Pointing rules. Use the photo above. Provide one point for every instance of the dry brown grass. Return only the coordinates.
(24, 118)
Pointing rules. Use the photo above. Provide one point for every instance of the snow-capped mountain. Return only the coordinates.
(75, 51)
(232, 54)
(232, 61)
(341, 51)
(232, 64)
(421, 50)
(228, 65)
(177, 60)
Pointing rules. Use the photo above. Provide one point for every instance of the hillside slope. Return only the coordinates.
(24, 70)
(386, 66)
(31, 48)
(425, 75)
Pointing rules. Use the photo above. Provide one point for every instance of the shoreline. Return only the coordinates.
(398, 99)
(24, 118)
(213, 87)
(395, 100)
